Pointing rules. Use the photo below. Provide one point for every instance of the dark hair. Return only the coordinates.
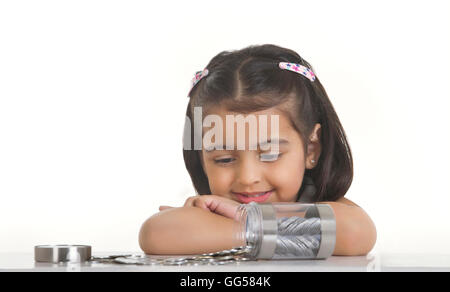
(249, 80)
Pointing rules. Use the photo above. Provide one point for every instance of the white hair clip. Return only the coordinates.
(308, 73)
(198, 76)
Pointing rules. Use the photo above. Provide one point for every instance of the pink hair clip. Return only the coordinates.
(308, 73)
(198, 76)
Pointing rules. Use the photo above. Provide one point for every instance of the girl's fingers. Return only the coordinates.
(224, 208)
(201, 204)
(190, 201)
(218, 205)
(213, 203)
(164, 207)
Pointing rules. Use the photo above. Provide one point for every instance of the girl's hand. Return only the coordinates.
(216, 204)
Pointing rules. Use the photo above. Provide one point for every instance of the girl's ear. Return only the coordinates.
(314, 147)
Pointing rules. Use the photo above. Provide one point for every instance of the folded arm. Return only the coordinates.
(186, 230)
(192, 230)
(355, 231)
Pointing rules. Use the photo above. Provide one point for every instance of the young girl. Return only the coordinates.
(309, 158)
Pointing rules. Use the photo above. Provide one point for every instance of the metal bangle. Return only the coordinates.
(270, 231)
(328, 231)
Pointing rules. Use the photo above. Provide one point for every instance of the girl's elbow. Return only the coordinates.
(146, 242)
(371, 239)
(356, 239)
(362, 238)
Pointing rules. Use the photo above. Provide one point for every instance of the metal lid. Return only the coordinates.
(62, 253)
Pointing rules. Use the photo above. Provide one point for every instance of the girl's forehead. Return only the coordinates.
(267, 116)
(220, 125)
(223, 112)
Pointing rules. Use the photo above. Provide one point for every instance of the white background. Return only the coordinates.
(93, 97)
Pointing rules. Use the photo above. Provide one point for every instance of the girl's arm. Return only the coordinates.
(192, 230)
(186, 230)
(355, 231)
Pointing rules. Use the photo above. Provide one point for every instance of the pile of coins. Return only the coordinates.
(223, 257)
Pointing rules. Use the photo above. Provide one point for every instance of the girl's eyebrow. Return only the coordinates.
(261, 144)
(273, 141)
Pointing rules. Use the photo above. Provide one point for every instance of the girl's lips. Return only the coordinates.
(246, 198)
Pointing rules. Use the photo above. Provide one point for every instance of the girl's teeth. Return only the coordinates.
(257, 195)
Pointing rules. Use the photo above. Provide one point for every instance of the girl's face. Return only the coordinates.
(261, 175)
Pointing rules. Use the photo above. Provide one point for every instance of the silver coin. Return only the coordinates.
(203, 257)
(212, 254)
(225, 258)
(206, 260)
(128, 261)
(243, 259)
(152, 261)
(241, 252)
(110, 257)
(175, 261)
(199, 263)
(220, 263)
(224, 253)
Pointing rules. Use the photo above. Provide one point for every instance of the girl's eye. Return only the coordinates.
(268, 157)
(224, 160)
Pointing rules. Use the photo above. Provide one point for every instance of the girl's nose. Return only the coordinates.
(248, 172)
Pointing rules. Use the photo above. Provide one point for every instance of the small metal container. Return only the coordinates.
(62, 253)
(286, 230)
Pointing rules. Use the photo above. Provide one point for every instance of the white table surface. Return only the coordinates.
(372, 262)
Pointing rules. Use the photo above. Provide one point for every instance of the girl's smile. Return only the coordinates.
(257, 197)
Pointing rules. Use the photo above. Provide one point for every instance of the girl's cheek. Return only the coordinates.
(287, 179)
(220, 179)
